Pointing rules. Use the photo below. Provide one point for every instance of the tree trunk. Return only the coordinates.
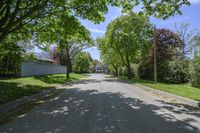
(67, 71)
(68, 64)
(116, 72)
(128, 65)
(129, 71)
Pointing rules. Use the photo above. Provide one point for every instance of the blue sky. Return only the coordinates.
(190, 15)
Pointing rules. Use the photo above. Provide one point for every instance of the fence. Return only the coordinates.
(35, 68)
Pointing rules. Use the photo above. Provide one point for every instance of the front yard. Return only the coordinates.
(13, 89)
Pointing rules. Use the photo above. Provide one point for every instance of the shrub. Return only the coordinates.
(195, 72)
(10, 60)
(145, 70)
(178, 71)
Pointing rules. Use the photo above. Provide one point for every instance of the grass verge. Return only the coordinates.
(13, 89)
(183, 90)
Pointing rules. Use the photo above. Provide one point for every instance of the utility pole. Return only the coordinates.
(155, 58)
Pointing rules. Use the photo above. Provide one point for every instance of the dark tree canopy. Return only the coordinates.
(168, 46)
(16, 14)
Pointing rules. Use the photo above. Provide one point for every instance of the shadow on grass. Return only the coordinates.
(10, 91)
(91, 111)
(55, 79)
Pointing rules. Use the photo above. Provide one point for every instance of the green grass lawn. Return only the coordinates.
(179, 89)
(12, 89)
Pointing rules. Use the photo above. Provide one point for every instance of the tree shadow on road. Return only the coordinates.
(91, 111)
(180, 108)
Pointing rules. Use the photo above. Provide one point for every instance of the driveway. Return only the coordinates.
(104, 105)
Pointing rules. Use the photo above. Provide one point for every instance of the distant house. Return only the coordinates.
(105, 69)
(102, 69)
(97, 67)
(95, 64)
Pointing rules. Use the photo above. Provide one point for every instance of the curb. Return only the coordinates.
(184, 100)
(11, 106)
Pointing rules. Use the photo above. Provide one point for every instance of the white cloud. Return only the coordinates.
(96, 30)
(194, 1)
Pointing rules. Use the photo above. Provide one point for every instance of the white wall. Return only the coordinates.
(33, 68)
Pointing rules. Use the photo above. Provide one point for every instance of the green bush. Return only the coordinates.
(178, 71)
(135, 70)
(124, 71)
(29, 57)
(10, 59)
(145, 70)
(195, 72)
(175, 71)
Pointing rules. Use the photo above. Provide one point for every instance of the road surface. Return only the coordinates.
(104, 105)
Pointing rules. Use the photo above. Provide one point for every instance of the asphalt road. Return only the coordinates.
(104, 105)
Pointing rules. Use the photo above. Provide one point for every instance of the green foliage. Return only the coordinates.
(108, 55)
(10, 59)
(126, 36)
(124, 71)
(121, 71)
(195, 61)
(171, 64)
(195, 71)
(82, 62)
(145, 70)
(195, 45)
(11, 51)
(178, 71)
(68, 34)
(135, 70)
(17, 15)
(29, 57)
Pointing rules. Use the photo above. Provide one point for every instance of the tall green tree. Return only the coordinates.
(108, 55)
(195, 61)
(68, 34)
(195, 45)
(185, 34)
(127, 35)
(82, 62)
